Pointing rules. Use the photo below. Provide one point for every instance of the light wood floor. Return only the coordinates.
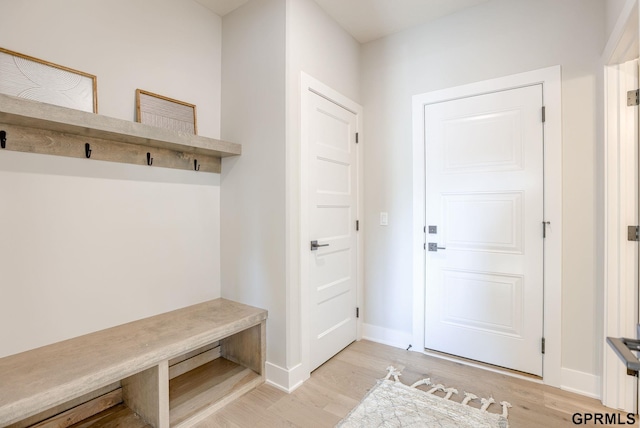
(338, 386)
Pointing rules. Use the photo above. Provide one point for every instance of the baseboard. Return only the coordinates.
(581, 383)
(387, 336)
(287, 380)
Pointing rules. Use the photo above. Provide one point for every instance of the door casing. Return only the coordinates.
(620, 141)
(550, 78)
(621, 257)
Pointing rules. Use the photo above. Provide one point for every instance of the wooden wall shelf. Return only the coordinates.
(37, 127)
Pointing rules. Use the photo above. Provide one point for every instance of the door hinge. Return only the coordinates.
(544, 228)
(544, 114)
(543, 346)
(357, 225)
(633, 233)
(633, 98)
(356, 138)
(357, 312)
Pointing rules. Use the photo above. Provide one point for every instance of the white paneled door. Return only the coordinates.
(484, 214)
(332, 172)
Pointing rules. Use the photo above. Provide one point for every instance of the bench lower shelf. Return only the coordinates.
(117, 416)
(200, 392)
(193, 396)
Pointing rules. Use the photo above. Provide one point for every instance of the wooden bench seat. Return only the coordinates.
(138, 356)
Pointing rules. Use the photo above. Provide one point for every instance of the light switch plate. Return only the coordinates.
(384, 219)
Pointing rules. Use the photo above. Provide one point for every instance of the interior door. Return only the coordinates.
(332, 227)
(484, 185)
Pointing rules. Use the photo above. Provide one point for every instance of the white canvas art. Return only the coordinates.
(24, 77)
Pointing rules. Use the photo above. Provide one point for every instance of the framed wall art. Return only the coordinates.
(164, 112)
(35, 79)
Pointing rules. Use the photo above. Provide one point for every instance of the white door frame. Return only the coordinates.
(308, 85)
(550, 78)
(620, 210)
(620, 258)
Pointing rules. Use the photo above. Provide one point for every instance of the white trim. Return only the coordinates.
(283, 379)
(550, 78)
(419, 222)
(581, 383)
(387, 336)
(309, 84)
(620, 210)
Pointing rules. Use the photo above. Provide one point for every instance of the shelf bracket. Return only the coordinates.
(87, 150)
(3, 139)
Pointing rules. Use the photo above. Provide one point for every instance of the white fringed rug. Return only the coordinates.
(392, 404)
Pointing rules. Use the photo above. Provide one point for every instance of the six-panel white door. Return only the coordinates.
(332, 218)
(484, 186)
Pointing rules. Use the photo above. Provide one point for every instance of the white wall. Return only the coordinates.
(169, 47)
(612, 10)
(253, 185)
(85, 244)
(319, 47)
(498, 38)
(266, 44)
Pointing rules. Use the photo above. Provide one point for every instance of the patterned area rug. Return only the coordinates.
(392, 404)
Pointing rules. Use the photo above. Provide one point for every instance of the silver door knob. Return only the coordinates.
(315, 245)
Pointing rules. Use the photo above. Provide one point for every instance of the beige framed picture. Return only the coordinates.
(164, 112)
(27, 77)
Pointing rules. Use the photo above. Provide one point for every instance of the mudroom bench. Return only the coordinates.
(169, 370)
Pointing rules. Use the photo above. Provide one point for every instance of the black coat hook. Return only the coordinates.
(87, 150)
(196, 165)
(149, 159)
(3, 139)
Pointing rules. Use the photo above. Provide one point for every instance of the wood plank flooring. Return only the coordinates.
(338, 386)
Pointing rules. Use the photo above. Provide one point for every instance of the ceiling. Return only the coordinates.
(367, 20)
(222, 7)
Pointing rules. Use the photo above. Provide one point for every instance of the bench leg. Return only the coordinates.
(147, 394)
